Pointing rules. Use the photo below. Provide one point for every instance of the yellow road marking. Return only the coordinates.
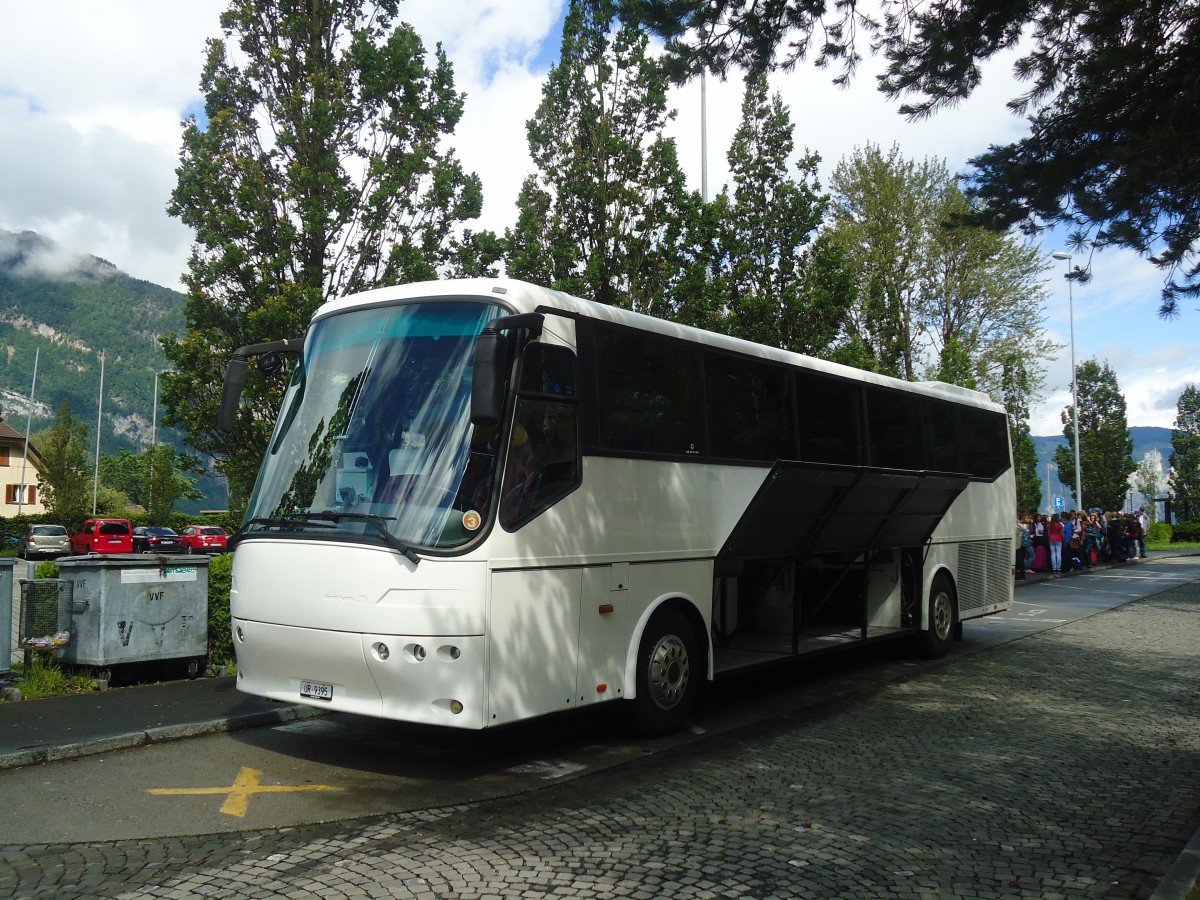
(237, 795)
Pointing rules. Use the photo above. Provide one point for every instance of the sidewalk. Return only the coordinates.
(56, 728)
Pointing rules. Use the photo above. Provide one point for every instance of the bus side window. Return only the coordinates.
(543, 460)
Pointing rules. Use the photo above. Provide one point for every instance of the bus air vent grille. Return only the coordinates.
(984, 572)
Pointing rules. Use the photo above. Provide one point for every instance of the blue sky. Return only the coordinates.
(91, 95)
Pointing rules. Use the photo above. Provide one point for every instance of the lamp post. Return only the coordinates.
(1062, 254)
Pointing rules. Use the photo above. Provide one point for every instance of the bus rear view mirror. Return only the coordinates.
(487, 377)
(491, 364)
(235, 374)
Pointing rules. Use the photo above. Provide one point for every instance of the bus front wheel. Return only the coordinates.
(668, 677)
(942, 617)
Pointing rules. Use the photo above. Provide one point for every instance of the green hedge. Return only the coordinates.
(1158, 533)
(220, 638)
(1185, 531)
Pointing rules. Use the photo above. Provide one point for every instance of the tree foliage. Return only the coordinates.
(1105, 446)
(605, 216)
(154, 479)
(1113, 103)
(319, 168)
(936, 298)
(779, 284)
(1184, 479)
(65, 479)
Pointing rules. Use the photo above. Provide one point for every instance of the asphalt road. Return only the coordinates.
(338, 768)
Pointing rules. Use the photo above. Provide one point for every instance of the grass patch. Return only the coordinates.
(47, 680)
(1178, 545)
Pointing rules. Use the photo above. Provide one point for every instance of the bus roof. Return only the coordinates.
(522, 297)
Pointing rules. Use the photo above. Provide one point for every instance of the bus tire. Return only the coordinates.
(943, 616)
(668, 675)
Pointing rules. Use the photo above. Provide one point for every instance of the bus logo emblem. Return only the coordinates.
(471, 520)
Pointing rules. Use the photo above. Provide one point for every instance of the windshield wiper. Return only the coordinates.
(374, 521)
(306, 519)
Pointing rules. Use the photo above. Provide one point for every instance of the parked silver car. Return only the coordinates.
(44, 541)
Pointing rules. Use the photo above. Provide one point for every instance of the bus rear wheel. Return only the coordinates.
(943, 613)
(667, 675)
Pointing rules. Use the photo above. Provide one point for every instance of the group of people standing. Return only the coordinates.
(1078, 540)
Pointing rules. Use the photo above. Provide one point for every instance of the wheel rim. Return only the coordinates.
(668, 672)
(943, 615)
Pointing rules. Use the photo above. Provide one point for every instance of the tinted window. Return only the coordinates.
(944, 444)
(894, 423)
(830, 419)
(548, 369)
(749, 408)
(650, 393)
(984, 441)
(543, 460)
(114, 528)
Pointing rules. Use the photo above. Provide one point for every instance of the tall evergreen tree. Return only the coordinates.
(1184, 480)
(779, 287)
(1105, 446)
(606, 213)
(318, 168)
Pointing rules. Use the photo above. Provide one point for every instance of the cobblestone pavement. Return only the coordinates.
(1063, 765)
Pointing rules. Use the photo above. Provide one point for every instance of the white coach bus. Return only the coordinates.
(485, 501)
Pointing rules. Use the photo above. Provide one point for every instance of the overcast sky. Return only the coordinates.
(91, 97)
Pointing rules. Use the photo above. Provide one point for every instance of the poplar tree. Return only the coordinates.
(781, 285)
(884, 208)
(1105, 445)
(319, 167)
(606, 214)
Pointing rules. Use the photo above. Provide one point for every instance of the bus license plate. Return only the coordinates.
(316, 690)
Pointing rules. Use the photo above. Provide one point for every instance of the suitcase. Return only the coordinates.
(1095, 557)
(1041, 559)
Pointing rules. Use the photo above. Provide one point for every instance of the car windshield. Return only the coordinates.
(50, 530)
(212, 530)
(374, 439)
(161, 532)
(113, 528)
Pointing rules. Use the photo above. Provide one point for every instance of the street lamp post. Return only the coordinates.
(1062, 254)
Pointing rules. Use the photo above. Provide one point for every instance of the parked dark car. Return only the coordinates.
(44, 541)
(103, 536)
(153, 539)
(203, 539)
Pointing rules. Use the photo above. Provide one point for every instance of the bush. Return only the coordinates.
(46, 569)
(1158, 533)
(220, 638)
(1185, 531)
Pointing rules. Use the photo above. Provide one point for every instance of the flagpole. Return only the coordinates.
(28, 417)
(99, 420)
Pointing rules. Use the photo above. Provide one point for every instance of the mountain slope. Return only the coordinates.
(71, 310)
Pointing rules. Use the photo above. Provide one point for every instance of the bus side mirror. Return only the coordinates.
(487, 377)
(235, 374)
(231, 394)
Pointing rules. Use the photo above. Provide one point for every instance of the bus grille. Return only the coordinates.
(984, 574)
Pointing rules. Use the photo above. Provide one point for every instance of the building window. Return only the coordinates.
(4, 456)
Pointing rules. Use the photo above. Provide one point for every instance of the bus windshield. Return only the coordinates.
(374, 438)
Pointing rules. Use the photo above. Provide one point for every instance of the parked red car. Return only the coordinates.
(203, 539)
(104, 536)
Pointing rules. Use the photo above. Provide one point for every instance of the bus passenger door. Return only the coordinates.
(603, 633)
(534, 629)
